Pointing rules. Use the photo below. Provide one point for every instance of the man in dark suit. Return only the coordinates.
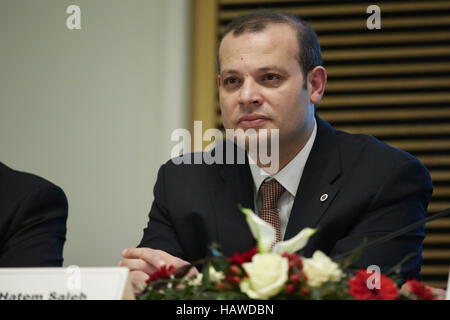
(33, 214)
(350, 187)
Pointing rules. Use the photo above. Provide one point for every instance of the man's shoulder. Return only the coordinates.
(195, 163)
(224, 153)
(371, 145)
(205, 167)
(353, 145)
(367, 149)
(16, 184)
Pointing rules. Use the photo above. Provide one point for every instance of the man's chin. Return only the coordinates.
(252, 138)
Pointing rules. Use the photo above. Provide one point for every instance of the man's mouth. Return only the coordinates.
(252, 121)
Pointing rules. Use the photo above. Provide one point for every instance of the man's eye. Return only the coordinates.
(271, 77)
(231, 81)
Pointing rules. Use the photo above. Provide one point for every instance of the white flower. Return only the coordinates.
(262, 231)
(196, 280)
(215, 276)
(267, 274)
(294, 244)
(320, 269)
(265, 235)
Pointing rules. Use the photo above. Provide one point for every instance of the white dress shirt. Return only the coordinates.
(289, 177)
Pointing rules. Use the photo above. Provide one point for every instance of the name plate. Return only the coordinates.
(71, 283)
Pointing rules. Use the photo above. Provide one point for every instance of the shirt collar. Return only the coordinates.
(289, 177)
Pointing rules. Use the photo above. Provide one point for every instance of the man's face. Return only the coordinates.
(261, 84)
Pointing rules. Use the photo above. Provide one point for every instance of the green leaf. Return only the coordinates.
(206, 281)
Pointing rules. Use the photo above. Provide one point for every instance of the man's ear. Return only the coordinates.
(317, 80)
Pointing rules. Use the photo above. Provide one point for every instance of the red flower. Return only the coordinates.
(294, 277)
(294, 260)
(235, 269)
(290, 288)
(161, 273)
(304, 291)
(232, 279)
(359, 287)
(419, 289)
(240, 258)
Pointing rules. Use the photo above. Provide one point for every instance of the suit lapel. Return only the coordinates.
(318, 185)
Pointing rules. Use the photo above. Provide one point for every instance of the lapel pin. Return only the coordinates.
(323, 197)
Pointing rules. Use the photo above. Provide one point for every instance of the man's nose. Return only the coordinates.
(249, 94)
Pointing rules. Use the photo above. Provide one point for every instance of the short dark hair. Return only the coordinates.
(309, 48)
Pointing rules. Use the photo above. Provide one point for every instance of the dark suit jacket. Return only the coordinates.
(373, 189)
(33, 214)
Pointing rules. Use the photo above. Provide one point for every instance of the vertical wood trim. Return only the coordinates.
(203, 101)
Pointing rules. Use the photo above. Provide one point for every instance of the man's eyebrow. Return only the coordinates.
(229, 71)
(262, 69)
(268, 68)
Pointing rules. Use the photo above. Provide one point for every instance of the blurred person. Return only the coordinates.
(33, 215)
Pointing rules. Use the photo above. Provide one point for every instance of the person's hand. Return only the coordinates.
(438, 293)
(142, 262)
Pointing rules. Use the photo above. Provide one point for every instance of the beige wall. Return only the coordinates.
(92, 109)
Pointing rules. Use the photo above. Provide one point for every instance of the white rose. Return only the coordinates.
(320, 269)
(267, 274)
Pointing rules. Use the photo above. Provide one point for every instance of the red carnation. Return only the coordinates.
(358, 287)
(161, 273)
(240, 258)
(419, 289)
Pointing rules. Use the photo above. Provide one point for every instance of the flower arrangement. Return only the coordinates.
(275, 271)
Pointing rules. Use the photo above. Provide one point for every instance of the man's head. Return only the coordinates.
(309, 55)
(262, 84)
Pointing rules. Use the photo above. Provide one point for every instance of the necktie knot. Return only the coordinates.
(271, 192)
